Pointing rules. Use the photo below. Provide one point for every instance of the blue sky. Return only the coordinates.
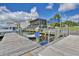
(41, 8)
(43, 11)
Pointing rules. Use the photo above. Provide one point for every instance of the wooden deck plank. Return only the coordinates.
(68, 46)
(14, 44)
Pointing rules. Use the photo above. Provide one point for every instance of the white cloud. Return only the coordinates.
(67, 7)
(3, 9)
(19, 16)
(6, 14)
(33, 9)
(34, 13)
(74, 18)
(50, 6)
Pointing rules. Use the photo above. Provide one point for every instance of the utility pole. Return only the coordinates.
(48, 31)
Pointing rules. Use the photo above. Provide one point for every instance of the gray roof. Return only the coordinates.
(69, 46)
(14, 44)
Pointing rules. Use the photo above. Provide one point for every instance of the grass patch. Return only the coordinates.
(74, 28)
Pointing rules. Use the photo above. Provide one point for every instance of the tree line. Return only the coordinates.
(67, 22)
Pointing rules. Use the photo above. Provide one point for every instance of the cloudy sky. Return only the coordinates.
(23, 11)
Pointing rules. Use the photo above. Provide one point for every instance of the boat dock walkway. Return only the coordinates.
(15, 45)
(69, 46)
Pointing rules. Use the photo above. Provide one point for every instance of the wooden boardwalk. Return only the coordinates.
(15, 45)
(69, 46)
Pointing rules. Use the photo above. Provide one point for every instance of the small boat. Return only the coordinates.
(31, 36)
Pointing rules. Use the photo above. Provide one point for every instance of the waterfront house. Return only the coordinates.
(41, 23)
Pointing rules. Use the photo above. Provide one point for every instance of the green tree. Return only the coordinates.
(70, 23)
(57, 16)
